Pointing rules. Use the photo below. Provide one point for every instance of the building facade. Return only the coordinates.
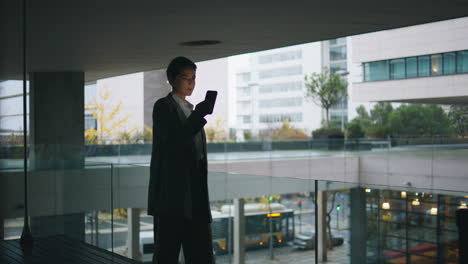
(270, 87)
(419, 64)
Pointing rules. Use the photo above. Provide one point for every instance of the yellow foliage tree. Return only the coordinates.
(109, 124)
(287, 131)
(216, 132)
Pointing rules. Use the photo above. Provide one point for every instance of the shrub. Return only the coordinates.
(377, 132)
(327, 132)
(355, 130)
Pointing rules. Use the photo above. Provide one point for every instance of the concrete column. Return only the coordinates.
(57, 146)
(133, 219)
(322, 246)
(358, 225)
(239, 231)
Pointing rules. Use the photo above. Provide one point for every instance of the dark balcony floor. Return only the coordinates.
(57, 249)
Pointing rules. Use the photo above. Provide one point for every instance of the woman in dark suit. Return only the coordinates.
(178, 188)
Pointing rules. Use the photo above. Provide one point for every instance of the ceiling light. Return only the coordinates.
(433, 211)
(415, 202)
(196, 43)
(403, 194)
(368, 190)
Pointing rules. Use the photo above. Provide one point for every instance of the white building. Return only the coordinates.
(270, 86)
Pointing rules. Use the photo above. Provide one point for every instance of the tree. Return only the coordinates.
(362, 112)
(380, 114)
(247, 135)
(420, 120)
(109, 123)
(287, 131)
(459, 118)
(216, 132)
(355, 129)
(325, 89)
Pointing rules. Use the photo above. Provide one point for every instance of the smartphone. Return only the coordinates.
(211, 98)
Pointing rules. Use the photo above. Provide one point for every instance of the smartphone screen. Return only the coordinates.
(211, 98)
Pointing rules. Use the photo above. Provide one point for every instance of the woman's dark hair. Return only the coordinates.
(176, 66)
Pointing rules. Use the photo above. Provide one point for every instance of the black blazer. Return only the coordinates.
(173, 161)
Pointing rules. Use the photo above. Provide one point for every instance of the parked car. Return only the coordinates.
(306, 240)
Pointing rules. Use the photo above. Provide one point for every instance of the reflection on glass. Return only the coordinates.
(411, 67)
(423, 66)
(338, 53)
(397, 69)
(462, 61)
(419, 227)
(436, 64)
(449, 63)
(376, 71)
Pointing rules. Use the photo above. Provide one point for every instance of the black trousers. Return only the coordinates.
(194, 235)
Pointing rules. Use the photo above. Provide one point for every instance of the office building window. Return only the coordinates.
(342, 104)
(279, 57)
(244, 119)
(278, 118)
(338, 53)
(449, 63)
(337, 41)
(280, 72)
(420, 66)
(90, 122)
(280, 102)
(462, 61)
(411, 67)
(397, 69)
(244, 91)
(243, 77)
(280, 87)
(338, 66)
(339, 115)
(436, 64)
(243, 105)
(423, 66)
(376, 71)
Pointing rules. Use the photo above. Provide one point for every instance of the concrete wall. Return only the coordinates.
(436, 89)
(437, 37)
(89, 189)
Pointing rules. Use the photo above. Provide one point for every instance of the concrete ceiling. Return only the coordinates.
(109, 38)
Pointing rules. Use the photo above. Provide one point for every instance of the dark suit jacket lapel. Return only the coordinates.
(179, 111)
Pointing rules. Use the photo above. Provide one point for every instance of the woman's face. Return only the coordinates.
(184, 83)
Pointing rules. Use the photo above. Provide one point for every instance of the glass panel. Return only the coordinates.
(462, 61)
(449, 63)
(436, 64)
(397, 69)
(376, 71)
(289, 71)
(12, 124)
(278, 57)
(338, 66)
(280, 87)
(411, 67)
(337, 41)
(338, 53)
(423, 66)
